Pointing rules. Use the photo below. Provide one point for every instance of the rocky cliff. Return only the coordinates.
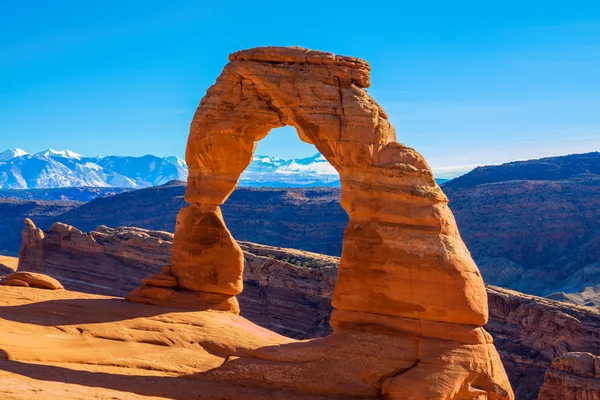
(530, 332)
(289, 292)
(573, 376)
(12, 213)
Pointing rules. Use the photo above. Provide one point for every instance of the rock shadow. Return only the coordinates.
(80, 311)
(171, 387)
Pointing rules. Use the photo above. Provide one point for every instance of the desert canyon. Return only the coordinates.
(402, 314)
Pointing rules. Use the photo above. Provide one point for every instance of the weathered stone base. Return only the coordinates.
(161, 290)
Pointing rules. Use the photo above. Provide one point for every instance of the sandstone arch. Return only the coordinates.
(404, 267)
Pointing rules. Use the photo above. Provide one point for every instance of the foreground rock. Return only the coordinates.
(573, 376)
(32, 279)
(286, 290)
(69, 345)
(8, 265)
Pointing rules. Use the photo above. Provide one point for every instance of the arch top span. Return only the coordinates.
(318, 93)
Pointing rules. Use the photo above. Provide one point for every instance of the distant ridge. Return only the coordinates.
(545, 169)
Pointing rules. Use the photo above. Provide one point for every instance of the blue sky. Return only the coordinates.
(463, 82)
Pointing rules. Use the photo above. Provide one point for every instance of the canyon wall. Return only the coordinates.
(573, 376)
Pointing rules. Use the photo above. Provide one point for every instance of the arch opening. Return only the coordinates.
(294, 239)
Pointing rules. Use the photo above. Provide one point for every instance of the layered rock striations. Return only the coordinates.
(104, 261)
(405, 277)
(573, 376)
(530, 332)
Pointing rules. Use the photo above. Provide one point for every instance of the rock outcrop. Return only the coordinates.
(12, 213)
(286, 290)
(105, 261)
(8, 265)
(32, 279)
(405, 277)
(573, 376)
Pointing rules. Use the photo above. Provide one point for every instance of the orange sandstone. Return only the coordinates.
(409, 300)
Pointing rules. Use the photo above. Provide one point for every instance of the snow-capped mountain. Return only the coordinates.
(65, 168)
(51, 153)
(10, 154)
(273, 171)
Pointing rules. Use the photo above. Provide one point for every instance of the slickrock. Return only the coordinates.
(69, 345)
(15, 282)
(405, 274)
(573, 376)
(22, 278)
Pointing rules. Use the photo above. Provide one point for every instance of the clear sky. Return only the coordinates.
(463, 82)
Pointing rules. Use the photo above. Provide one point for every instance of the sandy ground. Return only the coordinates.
(68, 345)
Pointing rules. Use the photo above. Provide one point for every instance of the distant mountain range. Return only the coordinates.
(65, 168)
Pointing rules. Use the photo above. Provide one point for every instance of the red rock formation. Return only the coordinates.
(573, 376)
(104, 261)
(404, 273)
(8, 265)
(32, 279)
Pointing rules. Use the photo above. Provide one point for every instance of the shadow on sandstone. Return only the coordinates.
(171, 387)
(80, 311)
(5, 270)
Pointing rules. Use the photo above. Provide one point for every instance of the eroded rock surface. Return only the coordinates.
(32, 279)
(69, 345)
(530, 332)
(573, 376)
(286, 290)
(404, 273)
